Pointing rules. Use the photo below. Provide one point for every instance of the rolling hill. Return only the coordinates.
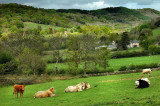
(115, 17)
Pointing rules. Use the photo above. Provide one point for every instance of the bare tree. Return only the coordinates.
(56, 44)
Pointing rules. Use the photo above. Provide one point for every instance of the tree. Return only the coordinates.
(56, 44)
(103, 57)
(74, 44)
(146, 38)
(32, 60)
(123, 42)
(88, 44)
(15, 43)
(158, 39)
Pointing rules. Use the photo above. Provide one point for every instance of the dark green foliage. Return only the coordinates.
(10, 68)
(123, 68)
(141, 66)
(5, 57)
(122, 54)
(123, 42)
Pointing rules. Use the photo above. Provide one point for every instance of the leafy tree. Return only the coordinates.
(88, 44)
(146, 38)
(32, 60)
(74, 44)
(123, 42)
(152, 49)
(16, 42)
(103, 56)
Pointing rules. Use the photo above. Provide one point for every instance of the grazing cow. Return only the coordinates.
(47, 93)
(18, 89)
(146, 71)
(77, 88)
(142, 83)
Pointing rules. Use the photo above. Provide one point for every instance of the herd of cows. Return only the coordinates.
(140, 83)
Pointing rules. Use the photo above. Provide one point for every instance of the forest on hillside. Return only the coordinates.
(71, 39)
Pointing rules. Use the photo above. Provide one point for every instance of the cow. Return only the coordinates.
(146, 71)
(47, 93)
(78, 88)
(142, 83)
(18, 89)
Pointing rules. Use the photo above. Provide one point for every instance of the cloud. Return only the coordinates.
(87, 4)
(92, 5)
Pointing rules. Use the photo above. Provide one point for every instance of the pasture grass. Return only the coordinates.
(156, 31)
(117, 63)
(105, 90)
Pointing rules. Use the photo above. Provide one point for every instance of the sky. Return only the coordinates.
(87, 4)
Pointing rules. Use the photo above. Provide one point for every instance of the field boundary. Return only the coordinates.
(120, 72)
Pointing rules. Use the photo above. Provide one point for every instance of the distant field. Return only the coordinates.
(113, 90)
(117, 63)
(32, 25)
(156, 32)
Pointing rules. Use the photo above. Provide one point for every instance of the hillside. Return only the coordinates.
(113, 17)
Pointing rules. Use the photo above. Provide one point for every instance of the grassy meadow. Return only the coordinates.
(156, 31)
(117, 63)
(105, 90)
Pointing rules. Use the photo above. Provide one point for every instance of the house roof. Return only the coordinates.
(112, 46)
(134, 41)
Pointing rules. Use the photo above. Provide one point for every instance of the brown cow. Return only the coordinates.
(18, 89)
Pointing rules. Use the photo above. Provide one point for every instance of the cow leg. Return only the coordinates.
(142, 75)
(17, 94)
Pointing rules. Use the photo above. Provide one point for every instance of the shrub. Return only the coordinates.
(123, 68)
(10, 67)
(120, 54)
(131, 67)
(110, 70)
(5, 57)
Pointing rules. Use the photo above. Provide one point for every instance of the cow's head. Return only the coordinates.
(87, 85)
(52, 89)
(137, 83)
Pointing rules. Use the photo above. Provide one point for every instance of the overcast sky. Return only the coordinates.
(87, 4)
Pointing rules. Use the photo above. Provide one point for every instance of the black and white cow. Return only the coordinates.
(142, 83)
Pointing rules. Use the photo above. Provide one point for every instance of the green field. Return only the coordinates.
(32, 25)
(105, 90)
(156, 32)
(117, 63)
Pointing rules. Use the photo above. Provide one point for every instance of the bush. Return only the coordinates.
(5, 57)
(10, 67)
(131, 67)
(123, 68)
(122, 54)
(141, 66)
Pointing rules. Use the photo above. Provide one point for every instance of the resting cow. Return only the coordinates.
(43, 94)
(18, 89)
(142, 83)
(77, 88)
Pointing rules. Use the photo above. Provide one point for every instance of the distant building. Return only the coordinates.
(109, 47)
(100, 47)
(113, 46)
(134, 43)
